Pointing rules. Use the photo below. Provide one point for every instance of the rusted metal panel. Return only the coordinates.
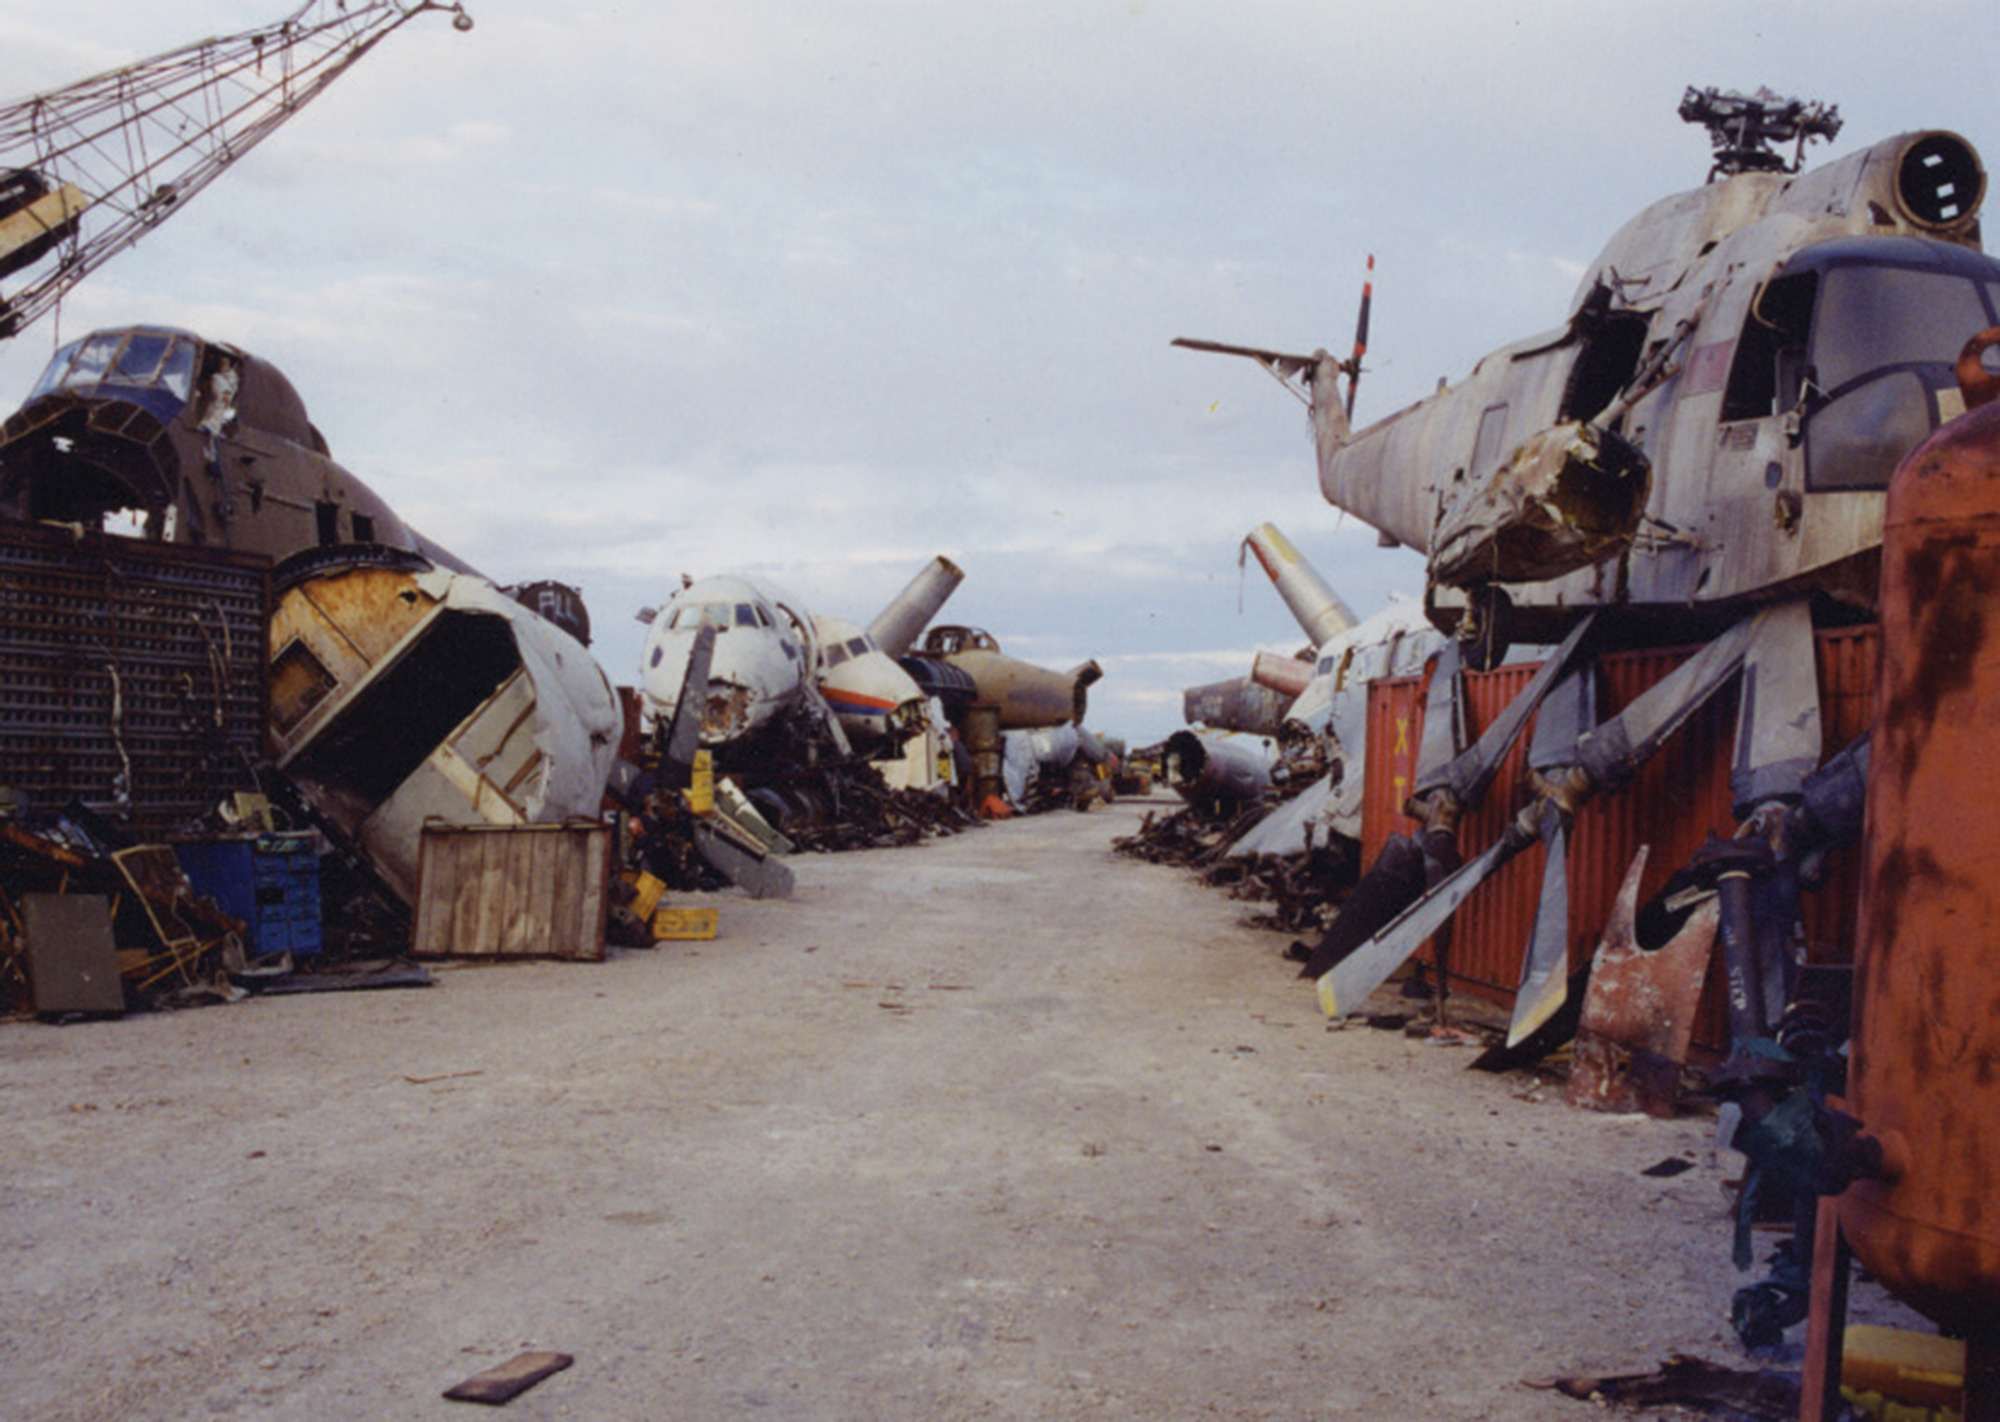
(1674, 802)
(1924, 1076)
(131, 673)
(516, 891)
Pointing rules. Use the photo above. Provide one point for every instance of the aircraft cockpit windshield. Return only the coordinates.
(720, 615)
(156, 361)
(839, 652)
(1861, 337)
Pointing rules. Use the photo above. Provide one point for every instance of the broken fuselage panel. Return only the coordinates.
(403, 694)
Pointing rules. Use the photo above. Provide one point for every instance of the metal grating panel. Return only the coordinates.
(131, 673)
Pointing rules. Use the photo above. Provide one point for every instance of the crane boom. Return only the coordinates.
(88, 169)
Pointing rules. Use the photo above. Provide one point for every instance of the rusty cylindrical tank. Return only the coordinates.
(1925, 1072)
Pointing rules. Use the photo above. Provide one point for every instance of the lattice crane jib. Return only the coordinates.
(89, 168)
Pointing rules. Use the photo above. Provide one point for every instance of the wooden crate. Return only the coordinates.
(512, 891)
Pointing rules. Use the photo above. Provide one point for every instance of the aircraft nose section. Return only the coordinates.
(74, 458)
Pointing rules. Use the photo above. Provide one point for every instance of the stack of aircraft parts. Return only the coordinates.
(403, 694)
(91, 922)
(131, 674)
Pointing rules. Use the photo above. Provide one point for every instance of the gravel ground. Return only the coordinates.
(1002, 1125)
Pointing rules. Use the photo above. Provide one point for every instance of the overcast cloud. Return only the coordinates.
(816, 289)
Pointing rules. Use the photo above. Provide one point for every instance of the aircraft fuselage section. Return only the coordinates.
(190, 441)
(1715, 424)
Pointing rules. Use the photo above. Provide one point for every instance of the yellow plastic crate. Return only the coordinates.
(684, 923)
(646, 891)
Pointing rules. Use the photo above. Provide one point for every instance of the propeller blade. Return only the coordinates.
(1345, 986)
(1361, 335)
(1545, 969)
(684, 735)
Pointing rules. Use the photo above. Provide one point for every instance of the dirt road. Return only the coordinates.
(999, 1126)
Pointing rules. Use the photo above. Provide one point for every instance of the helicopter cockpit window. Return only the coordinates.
(1857, 440)
(1885, 338)
(92, 361)
(1768, 374)
(1872, 318)
(139, 359)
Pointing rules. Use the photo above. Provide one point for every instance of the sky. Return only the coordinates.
(816, 290)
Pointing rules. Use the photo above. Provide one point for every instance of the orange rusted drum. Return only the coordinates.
(1926, 1052)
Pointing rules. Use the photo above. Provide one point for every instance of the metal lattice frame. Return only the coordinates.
(136, 143)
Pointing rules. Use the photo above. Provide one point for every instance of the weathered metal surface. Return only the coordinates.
(1026, 695)
(410, 697)
(1674, 802)
(1925, 1063)
(1638, 1015)
(522, 891)
(1214, 771)
(899, 624)
(204, 442)
(1321, 613)
(131, 674)
(1238, 704)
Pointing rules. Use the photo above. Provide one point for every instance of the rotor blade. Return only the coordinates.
(1545, 969)
(1360, 335)
(1443, 739)
(1613, 752)
(684, 735)
(1345, 986)
(1469, 775)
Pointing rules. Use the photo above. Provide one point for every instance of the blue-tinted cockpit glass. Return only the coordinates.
(151, 360)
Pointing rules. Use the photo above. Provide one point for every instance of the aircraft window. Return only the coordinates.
(1486, 447)
(1769, 370)
(1876, 318)
(52, 374)
(856, 647)
(139, 362)
(835, 655)
(1856, 441)
(92, 361)
(177, 371)
(763, 618)
(746, 616)
(688, 617)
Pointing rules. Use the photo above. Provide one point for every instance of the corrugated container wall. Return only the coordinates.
(1674, 803)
